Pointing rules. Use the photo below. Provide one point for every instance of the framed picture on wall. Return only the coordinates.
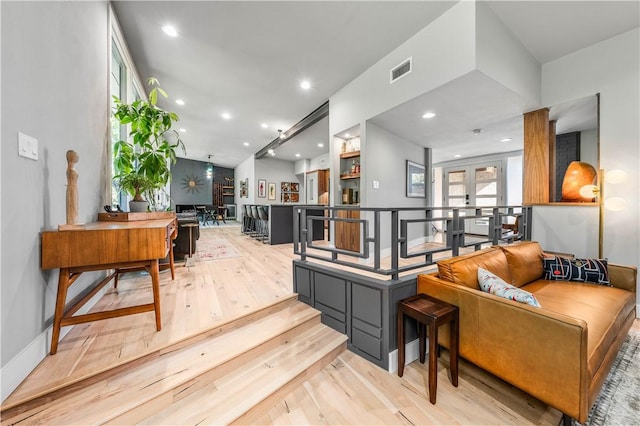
(243, 188)
(272, 190)
(262, 188)
(415, 180)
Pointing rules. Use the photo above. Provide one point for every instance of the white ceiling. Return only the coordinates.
(248, 58)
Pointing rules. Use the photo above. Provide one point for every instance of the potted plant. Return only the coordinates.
(142, 165)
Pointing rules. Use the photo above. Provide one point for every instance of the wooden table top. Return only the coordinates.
(102, 243)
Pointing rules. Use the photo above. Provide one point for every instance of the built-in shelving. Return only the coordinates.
(350, 154)
(350, 176)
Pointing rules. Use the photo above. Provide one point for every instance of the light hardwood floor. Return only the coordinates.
(349, 391)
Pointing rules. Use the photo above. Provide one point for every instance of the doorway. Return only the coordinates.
(474, 185)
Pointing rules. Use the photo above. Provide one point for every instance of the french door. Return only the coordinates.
(474, 185)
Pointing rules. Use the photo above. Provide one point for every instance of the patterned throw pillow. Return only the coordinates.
(583, 270)
(493, 284)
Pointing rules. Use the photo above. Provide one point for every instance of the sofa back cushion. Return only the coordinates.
(464, 269)
(525, 262)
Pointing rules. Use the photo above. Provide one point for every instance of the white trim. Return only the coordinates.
(19, 367)
(411, 353)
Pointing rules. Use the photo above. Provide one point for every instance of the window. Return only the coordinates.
(124, 84)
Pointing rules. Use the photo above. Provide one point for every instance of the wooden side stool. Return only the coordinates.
(431, 312)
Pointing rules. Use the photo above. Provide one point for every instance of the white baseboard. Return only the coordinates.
(411, 353)
(19, 367)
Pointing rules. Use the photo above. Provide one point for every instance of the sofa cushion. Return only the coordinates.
(464, 269)
(583, 270)
(490, 283)
(525, 263)
(604, 309)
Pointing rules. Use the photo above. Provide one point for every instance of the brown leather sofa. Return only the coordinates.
(560, 353)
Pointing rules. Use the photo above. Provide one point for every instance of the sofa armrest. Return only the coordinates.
(541, 352)
(624, 277)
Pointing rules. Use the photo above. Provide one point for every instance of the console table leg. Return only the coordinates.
(155, 282)
(63, 285)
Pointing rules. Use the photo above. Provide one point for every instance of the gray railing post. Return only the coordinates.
(296, 231)
(376, 240)
(302, 224)
(394, 244)
(455, 240)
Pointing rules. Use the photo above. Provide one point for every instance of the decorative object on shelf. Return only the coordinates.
(272, 190)
(415, 180)
(142, 166)
(72, 188)
(191, 184)
(578, 174)
(262, 188)
(72, 195)
(244, 191)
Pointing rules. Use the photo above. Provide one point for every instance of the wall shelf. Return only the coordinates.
(350, 154)
(350, 176)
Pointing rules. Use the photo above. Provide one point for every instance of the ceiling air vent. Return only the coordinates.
(400, 70)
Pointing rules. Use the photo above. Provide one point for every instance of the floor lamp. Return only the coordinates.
(613, 204)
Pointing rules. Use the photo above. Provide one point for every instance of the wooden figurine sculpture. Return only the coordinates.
(72, 188)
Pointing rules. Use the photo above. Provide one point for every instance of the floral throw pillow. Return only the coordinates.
(583, 270)
(493, 284)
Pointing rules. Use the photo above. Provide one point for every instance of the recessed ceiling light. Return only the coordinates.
(457, 156)
(170, 30)
(226, 116)
(347, 135)
(297, 155)
(179, 101)
(505, 140)
(264, 125)
(246, 144)
(320, 145)
(428, 115)
(183, 130)
(305, 84)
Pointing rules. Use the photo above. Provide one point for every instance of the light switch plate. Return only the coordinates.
(27, 146)
(376, 184)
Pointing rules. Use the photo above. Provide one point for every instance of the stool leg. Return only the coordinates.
(400, 340)
(453, 352)
(433, 361)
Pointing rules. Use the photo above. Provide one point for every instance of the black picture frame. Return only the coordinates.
(416, 182)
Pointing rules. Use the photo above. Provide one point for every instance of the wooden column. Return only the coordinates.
(536, 157)
(552, 161)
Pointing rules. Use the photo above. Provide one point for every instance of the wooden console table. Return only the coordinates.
(102, 246)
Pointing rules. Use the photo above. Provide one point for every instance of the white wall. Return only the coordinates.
(244, 170)
(55, 58)
(611, 68)
(442, 51)
(276, 171)
(502, 57)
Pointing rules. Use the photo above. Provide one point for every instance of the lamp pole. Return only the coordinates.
(600, 213)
